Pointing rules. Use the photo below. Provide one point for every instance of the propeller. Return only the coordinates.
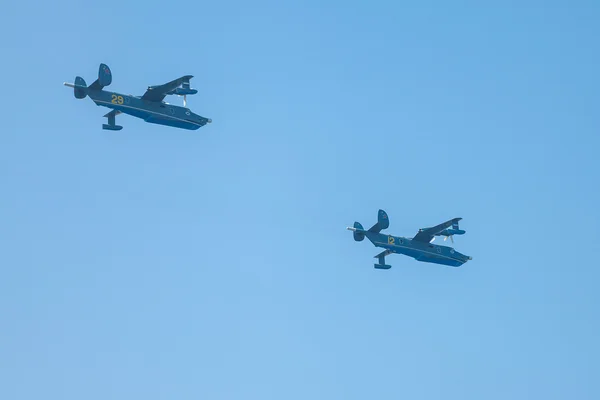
(185, 100)
(449, 236)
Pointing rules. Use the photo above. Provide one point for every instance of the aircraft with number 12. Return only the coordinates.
(419, 247)
(150, 106)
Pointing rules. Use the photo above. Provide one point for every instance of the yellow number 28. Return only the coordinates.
(117, 99)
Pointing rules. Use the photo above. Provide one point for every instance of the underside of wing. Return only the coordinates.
(158, 93)
(425, 235)
(112, 113)
(384, 253)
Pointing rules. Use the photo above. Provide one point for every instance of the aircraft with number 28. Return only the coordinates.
(419, 247)
(150, 106)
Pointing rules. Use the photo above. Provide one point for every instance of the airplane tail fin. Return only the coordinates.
(383, 222)
(358, 232)
(80, 88)
(104, 78)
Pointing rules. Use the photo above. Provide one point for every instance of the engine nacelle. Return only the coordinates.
(450, 232)
(182, 91)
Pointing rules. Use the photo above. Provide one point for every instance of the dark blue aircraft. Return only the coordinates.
(150, 107)
(419, 247)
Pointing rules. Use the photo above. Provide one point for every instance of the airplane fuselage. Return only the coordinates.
(426, 252)
(150, 111)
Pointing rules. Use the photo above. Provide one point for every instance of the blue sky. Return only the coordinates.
(159, 263)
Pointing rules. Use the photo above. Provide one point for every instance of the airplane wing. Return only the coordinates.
(113, 113)
(426, 234)
(384, 253)
(158, 93)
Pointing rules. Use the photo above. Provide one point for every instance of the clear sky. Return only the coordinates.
(159, 263)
